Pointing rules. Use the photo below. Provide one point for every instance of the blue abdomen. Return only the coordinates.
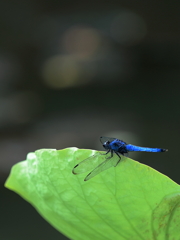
(133, 148)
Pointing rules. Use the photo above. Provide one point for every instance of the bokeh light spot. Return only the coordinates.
(83, 41)
(128, 28)
(61, 71)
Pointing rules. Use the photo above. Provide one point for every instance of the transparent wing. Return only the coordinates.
(103, 166)
(89, 163)
(105, 139)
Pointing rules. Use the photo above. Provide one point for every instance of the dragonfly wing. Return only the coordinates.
(102, 167)
(105, 139)
(89, 163)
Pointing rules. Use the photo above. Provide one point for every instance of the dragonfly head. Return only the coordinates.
(106, 144)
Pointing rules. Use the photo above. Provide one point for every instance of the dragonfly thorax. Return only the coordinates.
(118, 146)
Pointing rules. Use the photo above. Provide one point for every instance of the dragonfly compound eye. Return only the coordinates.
(106, 145)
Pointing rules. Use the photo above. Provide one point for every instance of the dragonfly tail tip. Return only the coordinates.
(164, 150)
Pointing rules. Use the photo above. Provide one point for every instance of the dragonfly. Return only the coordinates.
(112, 146)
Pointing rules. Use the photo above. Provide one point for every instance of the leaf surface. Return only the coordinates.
(131, 201)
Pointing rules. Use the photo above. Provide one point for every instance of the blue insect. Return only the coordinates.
(111, 145)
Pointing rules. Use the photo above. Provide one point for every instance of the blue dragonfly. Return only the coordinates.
(111, 145)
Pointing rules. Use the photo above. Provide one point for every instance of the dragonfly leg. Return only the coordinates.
(119, 158)
(117, 162)
(111, 154)
(118, 155)
(106, 152)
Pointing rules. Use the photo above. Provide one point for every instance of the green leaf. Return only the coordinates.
(131, 201)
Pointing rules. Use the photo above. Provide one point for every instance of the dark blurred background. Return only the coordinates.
(72, 71)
